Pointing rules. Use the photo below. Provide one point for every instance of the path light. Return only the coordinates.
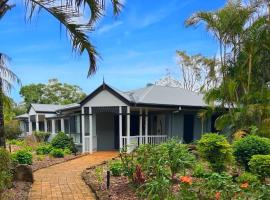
(108, 179)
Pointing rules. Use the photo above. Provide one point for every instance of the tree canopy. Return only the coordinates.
(53, 92)
(243, 34)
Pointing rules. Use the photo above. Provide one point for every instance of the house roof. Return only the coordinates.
(23, 116)
(164, 95)
(46, 107)
(155, 95)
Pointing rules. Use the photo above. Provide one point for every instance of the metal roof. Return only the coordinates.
(52, 107)
(164, 95)
(23, 116)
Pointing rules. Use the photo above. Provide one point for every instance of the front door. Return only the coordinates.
(105, 131)
(188, 128)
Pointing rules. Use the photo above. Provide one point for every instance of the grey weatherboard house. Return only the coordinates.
(109, 119)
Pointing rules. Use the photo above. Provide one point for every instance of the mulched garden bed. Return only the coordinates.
(120, 187)
(49, 161)
(18, 191)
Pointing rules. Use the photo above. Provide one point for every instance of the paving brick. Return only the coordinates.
(63, 181)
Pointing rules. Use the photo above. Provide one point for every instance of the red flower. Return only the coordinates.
(186, 179)
(244, 185)
(218, 195)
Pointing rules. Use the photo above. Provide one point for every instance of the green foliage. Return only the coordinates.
(99, 171)
(178, 157)
(251, 145)
(155, 189)
(247, 177)
(22, 157)
(41, 136)
(19, 143)
(216, 150)
(44, 149)
(57, 153)
(12, 129)
(128, 164)
(67, 151)
(199, 171)
(53, 92)
(116, 167)
(62, 141)
(260, 165)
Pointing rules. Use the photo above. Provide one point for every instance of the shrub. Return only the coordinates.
(57, 153)
(5, 170)
(44, 149)
(247, 177)
(41, 136)
(62, 141)
(155, 189)
(216, 150)
(67, 151)
(116, 167)
(128, 164)
(12, 129)
(178, 156)
(260, 165)
(251, 145)
(20, 143)
(199, 171)
(99, 171)
(22, 157)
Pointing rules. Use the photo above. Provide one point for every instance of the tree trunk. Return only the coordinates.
(2, 130)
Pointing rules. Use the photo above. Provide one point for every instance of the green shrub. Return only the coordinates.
(41, 136)
(251, 145)
(199, 171)
(260, 165)
(62, 141)
(216, 150)
(116, 167)
(5, 170)
(67, 151)
(155, 189)
(22, 157)
(44, 149)
(12, 129)
(57, 153)
(16, 142)
(178, 156)
(247, 177)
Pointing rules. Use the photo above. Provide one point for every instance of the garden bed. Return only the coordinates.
(18, 191)
(120, 187)
(48, 161)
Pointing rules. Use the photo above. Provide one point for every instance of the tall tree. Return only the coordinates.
(244, 88)
(53, 92)
(198, 73)
(7, 78)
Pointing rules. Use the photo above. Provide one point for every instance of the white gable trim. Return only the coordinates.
(104, 98)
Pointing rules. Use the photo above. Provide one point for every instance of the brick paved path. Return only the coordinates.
(63, 181)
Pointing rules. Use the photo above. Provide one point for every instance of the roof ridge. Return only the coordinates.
(147, 92)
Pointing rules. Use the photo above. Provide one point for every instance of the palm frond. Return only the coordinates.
(67, 13)
(6, 75)
(4, 7)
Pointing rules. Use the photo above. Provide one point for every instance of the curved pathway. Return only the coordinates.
(63, 181)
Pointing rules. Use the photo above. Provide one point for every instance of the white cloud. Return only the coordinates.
(108, 27)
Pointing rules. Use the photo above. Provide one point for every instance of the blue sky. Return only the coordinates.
(136, 47)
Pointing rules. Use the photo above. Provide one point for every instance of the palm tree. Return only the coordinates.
(67, 12)
(7, 78)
